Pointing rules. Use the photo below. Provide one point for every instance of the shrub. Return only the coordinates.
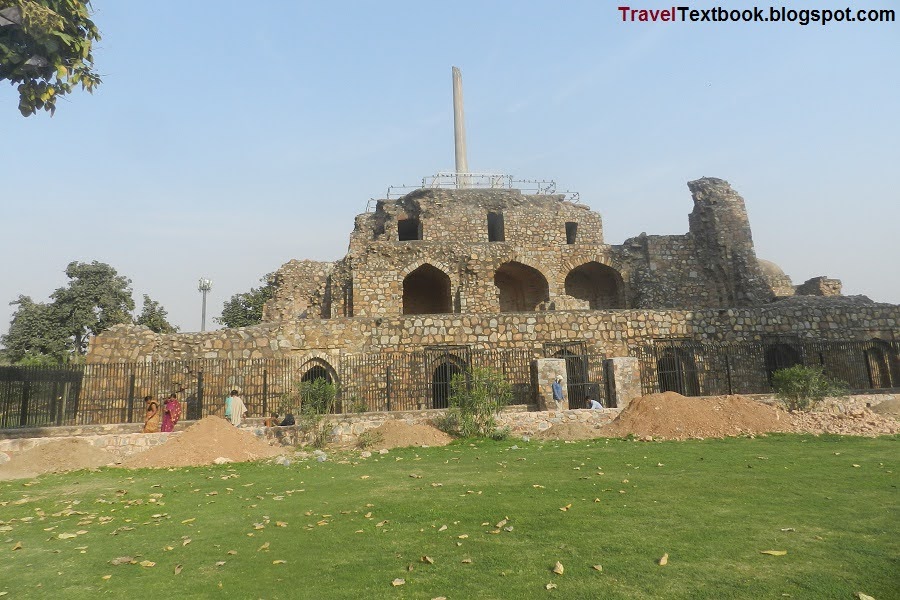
(311, 403)
(369, 438)
(800, 387)
(476, 397)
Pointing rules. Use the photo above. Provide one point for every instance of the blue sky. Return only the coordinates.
(230, 137)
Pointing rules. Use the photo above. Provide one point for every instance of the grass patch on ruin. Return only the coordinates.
(349, 528)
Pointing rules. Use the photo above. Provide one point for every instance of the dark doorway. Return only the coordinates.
(676, 371)
(440, 383)
(571, 232)
(781, 356)
(521, 288)
(426, 291)
(495, 227)
(881, 362)
(601, 286)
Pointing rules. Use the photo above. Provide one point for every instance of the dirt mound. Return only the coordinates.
(54, 457)
(675, 417)
(399, 434)
(202, 443)
(888, 408)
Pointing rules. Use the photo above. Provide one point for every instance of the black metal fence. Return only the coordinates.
(584, 372)
(418, 380)
(700, 369)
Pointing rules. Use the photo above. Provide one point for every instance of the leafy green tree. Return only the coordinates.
(247, 308)
(46, 48)
(153, 315)
(34, 335)
(96, 298)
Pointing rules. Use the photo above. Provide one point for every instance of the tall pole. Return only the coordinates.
(459, 130)
(204, 287)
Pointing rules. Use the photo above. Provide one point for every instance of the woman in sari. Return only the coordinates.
(151, 416)
(171, 412)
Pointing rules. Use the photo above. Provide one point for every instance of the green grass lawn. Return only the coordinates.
(347, 527)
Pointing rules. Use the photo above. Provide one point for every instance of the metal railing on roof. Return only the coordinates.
(453, 180)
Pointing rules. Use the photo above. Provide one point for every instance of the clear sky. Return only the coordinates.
(230, 137)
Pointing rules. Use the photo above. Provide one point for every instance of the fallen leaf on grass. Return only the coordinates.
(178, 569)
(415, 476)
(550, 586)
(220, 563)
(788, 529)
(774, 552)
(565, 508)
(428, 559)
(397, 582)
(463, 536)
(263, 547)
(467, 561)
(231, 552)
(502, 523)
(597, 567)
(66, 536)
(18, 546)
(279, 562)
(105, 577)
(664, 560)
(280, 524)
(558, 568)
(147, 563)
(861, 596)
(443, 528)
(186, 541)
(191, 520)
(122, 560)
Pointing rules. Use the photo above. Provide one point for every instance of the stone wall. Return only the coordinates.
(819, 286)
(607, 332)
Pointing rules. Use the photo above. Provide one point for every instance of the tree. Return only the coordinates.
(153, 315)
(247, 308)
(34, 336)
(96, 298)
(45, 47)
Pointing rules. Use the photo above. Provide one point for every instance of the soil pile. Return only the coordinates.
(888, 408)
(571, 430)
(202, 443)
(399, 434)
(675, 417)
(55, 457)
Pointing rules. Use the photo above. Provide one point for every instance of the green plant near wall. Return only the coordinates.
(801, 387)
(317, 401)
(476, 397)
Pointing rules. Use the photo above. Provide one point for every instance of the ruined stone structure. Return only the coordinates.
(486, 269)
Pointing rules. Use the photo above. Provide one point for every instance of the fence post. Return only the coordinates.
(199, 412)
(130, 408)
(728, 373)
(265, 393)
(23, 411)
(388, 387)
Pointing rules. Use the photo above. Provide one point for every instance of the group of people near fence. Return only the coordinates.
(156, 420)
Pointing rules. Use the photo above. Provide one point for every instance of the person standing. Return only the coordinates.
(151, 415)
(171, 412)
(234, 408)
(557, 390)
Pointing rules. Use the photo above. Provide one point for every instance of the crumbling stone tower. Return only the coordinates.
(724, 243)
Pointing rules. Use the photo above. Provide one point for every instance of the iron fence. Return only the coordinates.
(706, 369)
(584, 372)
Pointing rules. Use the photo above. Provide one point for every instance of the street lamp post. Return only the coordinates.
(203, 288)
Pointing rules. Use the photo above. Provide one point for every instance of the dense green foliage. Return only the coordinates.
(350, 526)
(153, 315)
(95, 298)
(246, 309)
(310, 402)
(476, 397)
(46, 48)
(800, 387)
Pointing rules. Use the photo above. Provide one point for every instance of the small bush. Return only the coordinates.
(312, 402)
(369, 438)
(476, 398)
(800, 387)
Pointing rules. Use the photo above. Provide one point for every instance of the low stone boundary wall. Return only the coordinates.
(123, 440)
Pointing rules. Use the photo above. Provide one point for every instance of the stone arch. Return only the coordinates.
(318, 368)
(598, 284)
(426, 290)
(676, 371)
(441, 376)
(883, 365)
(520, 288)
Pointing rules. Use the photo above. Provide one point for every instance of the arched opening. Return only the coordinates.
(426, 291)
(318, 386)
(440, 381)
(521, 288)
(601, 286)
(882, 365)
(676, 371)
(781, 356)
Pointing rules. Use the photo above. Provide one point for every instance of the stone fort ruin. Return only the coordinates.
(445, 278)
